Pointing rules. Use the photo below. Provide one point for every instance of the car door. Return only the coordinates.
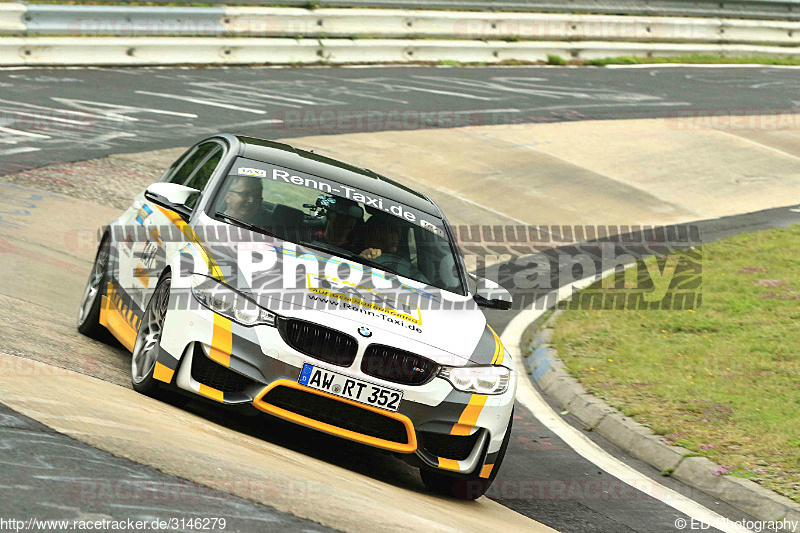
(159, 239)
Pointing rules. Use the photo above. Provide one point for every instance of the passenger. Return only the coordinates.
(341, 218)
(381, 238)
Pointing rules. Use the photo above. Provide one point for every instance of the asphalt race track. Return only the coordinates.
(52, 116)
(49, 116)
(48, 475)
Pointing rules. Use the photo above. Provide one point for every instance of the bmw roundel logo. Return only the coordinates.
(364, 332)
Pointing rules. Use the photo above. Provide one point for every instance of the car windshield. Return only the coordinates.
(340, 220)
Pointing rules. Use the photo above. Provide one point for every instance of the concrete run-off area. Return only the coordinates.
(654, 171)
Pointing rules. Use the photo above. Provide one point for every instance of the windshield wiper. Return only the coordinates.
(347, 254)
(246, 225)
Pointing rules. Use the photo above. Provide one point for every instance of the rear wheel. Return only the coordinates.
(469, 487)
(89, 311)
(148, 340)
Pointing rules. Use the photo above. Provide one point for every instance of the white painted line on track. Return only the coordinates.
(251, 92)
(621, 104)
(488, 111)
(446, 93)
(47, 118)
(529, 397)
(20, 150)
(24, 133)
(200, 101)
(756, 143)
(113, 135)
(285, 99)
(70, 112)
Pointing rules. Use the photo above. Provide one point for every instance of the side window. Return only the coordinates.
(187, 167)
(412, 247)
(166, 176)
(203, 174)
(201, 177)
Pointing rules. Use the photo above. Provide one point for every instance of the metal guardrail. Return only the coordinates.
(46, 19)
(753, 9)
(141, 35)
(97, 21)
(234, 51)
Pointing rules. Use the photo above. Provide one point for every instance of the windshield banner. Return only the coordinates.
(256, 169)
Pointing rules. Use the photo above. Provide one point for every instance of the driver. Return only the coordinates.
(243, 200)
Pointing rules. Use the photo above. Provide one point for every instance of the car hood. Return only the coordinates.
(307, 284)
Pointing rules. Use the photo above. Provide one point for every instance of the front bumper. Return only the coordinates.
(435, 425)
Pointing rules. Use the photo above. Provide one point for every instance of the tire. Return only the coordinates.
(88, 322)
(469, 487)
(148, 340)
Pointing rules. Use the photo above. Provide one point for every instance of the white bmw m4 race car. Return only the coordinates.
(260, 275)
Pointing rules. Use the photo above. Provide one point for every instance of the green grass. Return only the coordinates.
(450, 63)
(553, 59)
(695, 59)
(722, 380)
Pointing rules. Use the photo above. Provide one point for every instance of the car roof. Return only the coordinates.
(288, 156)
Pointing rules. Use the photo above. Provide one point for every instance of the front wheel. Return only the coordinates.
(89, 311)
(148, 340)
(469, 487)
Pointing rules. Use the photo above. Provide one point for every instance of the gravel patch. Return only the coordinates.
(112, 181)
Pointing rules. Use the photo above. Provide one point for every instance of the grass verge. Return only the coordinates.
(699, 59)
(723, 380)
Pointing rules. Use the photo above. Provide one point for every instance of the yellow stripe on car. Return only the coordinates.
(499, 349)
(469, 417)
(163, 373)
(188, 232)
(114, 320)
(221, 341)
(211, 392)
(448, 464)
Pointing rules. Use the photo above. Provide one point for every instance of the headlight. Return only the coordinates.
(229, 302)
(477, 379)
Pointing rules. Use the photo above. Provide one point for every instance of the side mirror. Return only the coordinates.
(490, 294)
(171, 196)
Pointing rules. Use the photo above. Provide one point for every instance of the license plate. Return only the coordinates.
(350, 388)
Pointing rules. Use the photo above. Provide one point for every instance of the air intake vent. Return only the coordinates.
(339, 414)
(396, 365)
(448, 446)
(216, 376)
(317, 341)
